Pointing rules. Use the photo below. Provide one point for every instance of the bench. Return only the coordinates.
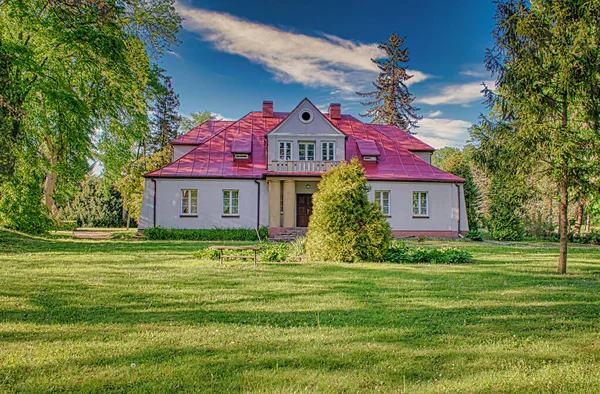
(223, 256)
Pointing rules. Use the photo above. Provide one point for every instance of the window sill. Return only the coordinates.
(420, 217)
(230, 216)
(183, 215)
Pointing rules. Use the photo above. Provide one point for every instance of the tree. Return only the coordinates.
(165, 117)
(546, 102)
(345, 225)
(95, 205)
(131, 184)
(390, 102)
(196, 118)
(74, 69)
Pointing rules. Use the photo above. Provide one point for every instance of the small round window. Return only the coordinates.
(306, 116)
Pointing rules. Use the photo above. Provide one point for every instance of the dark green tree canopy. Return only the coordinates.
(390, 102)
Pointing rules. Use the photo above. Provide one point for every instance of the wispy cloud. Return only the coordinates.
(456, 94)
(326, 61)
(439, 132)
(435, 114)
(173, 53)
(217, 116)
(476, 74)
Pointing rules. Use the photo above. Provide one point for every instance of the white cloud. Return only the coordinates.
(476, 74)
(456, 94)
(218, 116)
(326, 61)
(435, 114)
(441, 132)
(173, 53)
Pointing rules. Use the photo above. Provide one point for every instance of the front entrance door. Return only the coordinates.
(303, 209)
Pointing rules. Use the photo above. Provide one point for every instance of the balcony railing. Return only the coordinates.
(301, 165)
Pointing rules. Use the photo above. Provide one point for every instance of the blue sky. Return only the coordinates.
(235, 54)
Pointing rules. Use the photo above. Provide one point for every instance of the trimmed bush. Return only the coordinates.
(345, 226)
(401, 253)
(474, 235)
(213, 234)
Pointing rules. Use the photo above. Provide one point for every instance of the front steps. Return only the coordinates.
(286, 234)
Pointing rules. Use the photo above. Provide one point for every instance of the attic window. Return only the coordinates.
(240, 156)
(370, 158)
(306, 116)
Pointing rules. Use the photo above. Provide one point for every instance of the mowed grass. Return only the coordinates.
(136, 316)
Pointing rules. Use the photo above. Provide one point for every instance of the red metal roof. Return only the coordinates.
(201, 133)
(367, 148)
(241, 144)
(402, 138)
(213, 158)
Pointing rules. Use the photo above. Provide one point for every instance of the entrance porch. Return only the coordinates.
(290, 206)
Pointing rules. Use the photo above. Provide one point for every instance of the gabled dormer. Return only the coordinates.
(305, 141)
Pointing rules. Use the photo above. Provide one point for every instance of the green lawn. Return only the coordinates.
(135, 316)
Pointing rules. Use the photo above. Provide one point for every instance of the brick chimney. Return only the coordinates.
(335, 111)
(267, 111)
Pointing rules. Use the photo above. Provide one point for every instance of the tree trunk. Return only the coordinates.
(562, 225)
(48, 192)
(579, 222)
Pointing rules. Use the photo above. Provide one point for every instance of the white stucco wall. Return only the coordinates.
(181, 150)
(319, 130)
(443, 206)
(210, 202)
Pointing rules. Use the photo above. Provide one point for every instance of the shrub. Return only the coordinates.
(274, 252)
(67, 225)
(213, 234)
(474, 235)
(589, 239)
(207, 254)
(506, 202)
(345, 225)
(401, 253)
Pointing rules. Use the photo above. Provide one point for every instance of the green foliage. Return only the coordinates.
(391, 102)
(196, 118)
(21, 208)
(75, 77)
(345, 226)
(208, 254)
(506, 202)
(399, 252)
(474, 235)
(213, 234)
(131, 184)
(588, 239)
(67, 225)
(275, 251)
(94, 206)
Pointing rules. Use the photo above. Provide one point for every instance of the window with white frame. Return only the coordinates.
(328, 150)
(285, 150)
(306, 150)
(230, 202)
(189, 201)
(382, 197)
(420, 206)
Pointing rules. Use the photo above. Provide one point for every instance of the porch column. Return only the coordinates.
(274, 202)
(289, 203)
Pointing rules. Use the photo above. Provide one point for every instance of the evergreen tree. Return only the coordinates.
(345, 225)
(165, 118)
(546, 101)
(390, 102)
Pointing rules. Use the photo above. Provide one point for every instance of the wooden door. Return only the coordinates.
(303, 209)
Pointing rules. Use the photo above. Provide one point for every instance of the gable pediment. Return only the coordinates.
(306, 120)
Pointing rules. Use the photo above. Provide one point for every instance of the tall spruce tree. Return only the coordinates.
(165, 118)
(545, 108)
(391, 102)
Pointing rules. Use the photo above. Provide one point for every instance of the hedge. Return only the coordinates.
(213, 234)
